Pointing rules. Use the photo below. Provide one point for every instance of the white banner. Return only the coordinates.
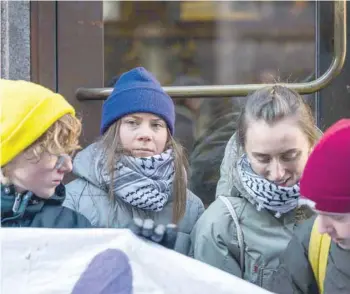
(53, 261)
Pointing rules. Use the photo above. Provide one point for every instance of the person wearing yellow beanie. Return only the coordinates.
(38, 133)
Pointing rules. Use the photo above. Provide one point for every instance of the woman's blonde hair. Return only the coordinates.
(114, 150)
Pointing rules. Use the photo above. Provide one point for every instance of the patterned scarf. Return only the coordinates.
(144, 182)
(266, 194)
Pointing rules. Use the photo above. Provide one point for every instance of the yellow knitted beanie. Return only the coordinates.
(27, 111)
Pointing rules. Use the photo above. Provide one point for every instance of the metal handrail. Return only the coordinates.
(242, 90)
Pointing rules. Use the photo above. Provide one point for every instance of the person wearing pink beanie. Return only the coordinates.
(325, 186)
(325, 180)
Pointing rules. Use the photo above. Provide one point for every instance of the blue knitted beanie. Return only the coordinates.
(137, 91)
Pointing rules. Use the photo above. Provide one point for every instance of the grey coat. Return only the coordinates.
(215, 236)
(88, 196)
(295, 276)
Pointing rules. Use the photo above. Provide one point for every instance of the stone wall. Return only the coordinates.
(15, 40)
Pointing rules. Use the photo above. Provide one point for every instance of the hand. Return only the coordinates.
(161, 234)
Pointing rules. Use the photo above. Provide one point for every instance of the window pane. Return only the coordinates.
(225, 42)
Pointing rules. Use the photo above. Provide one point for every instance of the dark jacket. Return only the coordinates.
(295, 275)
(42, 213)
(185, 127)
(207, 155)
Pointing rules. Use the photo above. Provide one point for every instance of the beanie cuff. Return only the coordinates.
(33, 126)
(333, 204)
(143, 100)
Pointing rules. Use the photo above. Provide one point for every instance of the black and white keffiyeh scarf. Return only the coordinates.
(144, 182)
(266, 194)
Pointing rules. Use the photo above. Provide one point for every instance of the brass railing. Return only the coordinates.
(242, 90)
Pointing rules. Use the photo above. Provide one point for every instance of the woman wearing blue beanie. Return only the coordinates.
(136, 169)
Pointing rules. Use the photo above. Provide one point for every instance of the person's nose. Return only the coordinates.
(276, 171)
(64, 164)
(145, 133)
